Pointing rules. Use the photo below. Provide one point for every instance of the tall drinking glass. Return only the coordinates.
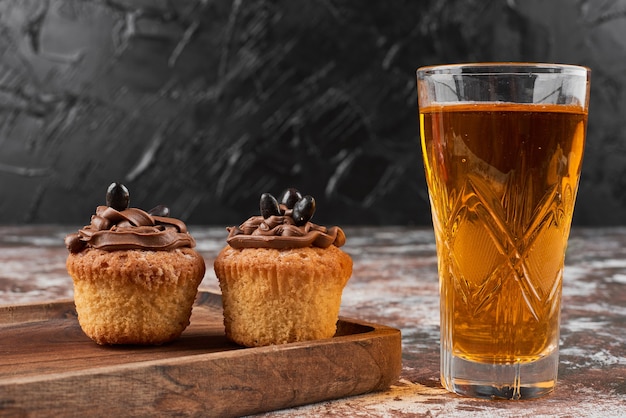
(502, 146)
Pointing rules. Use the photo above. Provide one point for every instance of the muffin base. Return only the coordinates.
(274, 296)
(135, 296)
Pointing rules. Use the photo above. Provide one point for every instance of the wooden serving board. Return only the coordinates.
(48, 367)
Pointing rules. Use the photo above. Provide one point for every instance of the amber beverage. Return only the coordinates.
(503, 159)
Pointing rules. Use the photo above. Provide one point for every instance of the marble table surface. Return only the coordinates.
(394, 283)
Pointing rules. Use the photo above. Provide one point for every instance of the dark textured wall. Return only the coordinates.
(204, 105)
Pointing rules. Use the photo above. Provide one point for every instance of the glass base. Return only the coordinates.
(514, 381)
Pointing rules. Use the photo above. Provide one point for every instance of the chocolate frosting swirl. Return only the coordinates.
(128, 229)
(281, 232)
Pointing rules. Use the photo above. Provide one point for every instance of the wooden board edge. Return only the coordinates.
(24, 313)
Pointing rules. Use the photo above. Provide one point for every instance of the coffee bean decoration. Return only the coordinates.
(269, 206)
(117, 196)
(289, 197)
(303, 210)
(160, 210)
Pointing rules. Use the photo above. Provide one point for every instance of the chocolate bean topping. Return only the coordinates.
(289, 197)
(269, 206)
(117, 196)
(303, 210)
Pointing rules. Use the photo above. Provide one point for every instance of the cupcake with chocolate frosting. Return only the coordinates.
(282, 276)
(135, 273)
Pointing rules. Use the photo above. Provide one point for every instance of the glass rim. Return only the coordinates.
(503, 68)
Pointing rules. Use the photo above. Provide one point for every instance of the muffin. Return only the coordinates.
(136, 274)
(281, 276)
